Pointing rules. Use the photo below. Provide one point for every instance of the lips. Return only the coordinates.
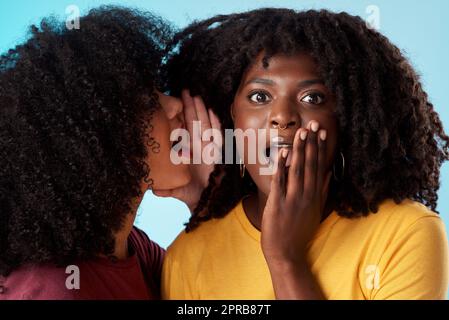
(272, 152)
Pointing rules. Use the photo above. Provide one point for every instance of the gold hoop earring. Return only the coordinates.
(242, 168)
(342, 170)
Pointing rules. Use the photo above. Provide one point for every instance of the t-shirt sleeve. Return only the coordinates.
(151, 257)
(157, 260)
(415, 266)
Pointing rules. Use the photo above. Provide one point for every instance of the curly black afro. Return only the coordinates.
(75, 111)
(392, 139)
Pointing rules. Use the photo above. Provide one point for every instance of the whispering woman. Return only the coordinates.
(84, 132)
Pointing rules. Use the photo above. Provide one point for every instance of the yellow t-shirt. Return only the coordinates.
(400, 252)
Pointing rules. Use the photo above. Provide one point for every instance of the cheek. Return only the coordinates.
(253, 119)
(158, 145)
(246, 118)
(249, 120)
(161, 135)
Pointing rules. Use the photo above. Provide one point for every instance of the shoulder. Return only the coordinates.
(140, 240)
(37, 282)
(414, 221)
(397, 217)
(209, 232)
(147, 250)
(190, 251)
(151, 257)
(409, 215)
(410, 250)
(390, 227)
(409, 210)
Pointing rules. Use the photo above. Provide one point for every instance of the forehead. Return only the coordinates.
(299, 65)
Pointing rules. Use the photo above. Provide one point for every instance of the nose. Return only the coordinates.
(284, 115)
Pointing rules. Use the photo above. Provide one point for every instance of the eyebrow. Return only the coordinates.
(301, 84)
(261, 81)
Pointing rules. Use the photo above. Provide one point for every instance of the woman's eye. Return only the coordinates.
(313, 98)
(259, 97)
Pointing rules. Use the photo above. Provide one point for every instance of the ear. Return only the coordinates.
(232, 112)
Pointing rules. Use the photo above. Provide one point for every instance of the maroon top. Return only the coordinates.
(137, 277)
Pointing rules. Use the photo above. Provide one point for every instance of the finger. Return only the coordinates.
(215, 122)
(189, 110)
(279, 176)
(216, 125)
(201, 113)
(321, 170)
(296, 170)
(311, 157)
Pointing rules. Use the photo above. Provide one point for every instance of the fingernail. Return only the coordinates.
(303, 135)
(314, 126)
(323, 135)
(284, 153)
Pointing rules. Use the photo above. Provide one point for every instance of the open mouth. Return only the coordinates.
(272, 152)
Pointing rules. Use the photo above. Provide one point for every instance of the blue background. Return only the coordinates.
(420, 28)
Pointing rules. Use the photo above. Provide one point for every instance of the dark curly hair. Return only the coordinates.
(75, 111)
(392, 139)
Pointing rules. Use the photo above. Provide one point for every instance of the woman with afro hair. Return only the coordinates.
(84, 132)
(350, 212)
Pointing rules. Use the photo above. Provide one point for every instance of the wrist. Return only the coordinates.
(285, 264)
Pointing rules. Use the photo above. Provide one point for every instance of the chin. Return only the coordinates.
(263, 183)
(176, 179)
(179, 179)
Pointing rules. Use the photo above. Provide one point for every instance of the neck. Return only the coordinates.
(121, 250)
(254, 206)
